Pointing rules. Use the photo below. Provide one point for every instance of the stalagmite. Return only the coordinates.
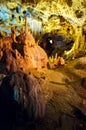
(13, 34)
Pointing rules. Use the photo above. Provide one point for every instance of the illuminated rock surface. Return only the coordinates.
(21, 54)
(57, 94)
(60, 16)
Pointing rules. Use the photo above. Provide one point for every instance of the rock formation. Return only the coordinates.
(23, 96)
(21, 100)
(21, 52)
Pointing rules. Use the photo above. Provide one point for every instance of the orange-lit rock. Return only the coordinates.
(5, 43)
(21, 53)
(35, 56)
(56, 63)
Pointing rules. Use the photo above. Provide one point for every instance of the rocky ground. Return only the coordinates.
(64, 92)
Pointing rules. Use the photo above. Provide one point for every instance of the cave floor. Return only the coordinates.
(64, 91)
(65, 96)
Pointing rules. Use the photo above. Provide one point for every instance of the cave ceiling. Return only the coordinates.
(48, 15)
